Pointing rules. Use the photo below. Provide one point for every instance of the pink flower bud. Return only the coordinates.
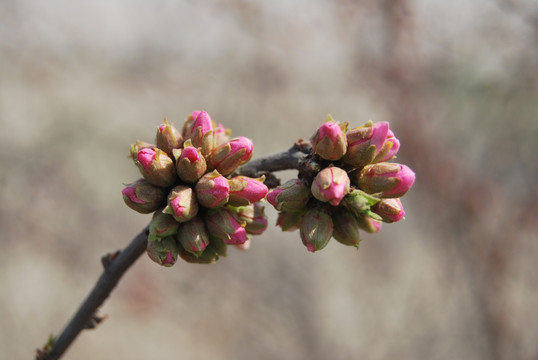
(224, 224)
(168, 138)
(390, 210)
(221, 134)
(245, 190)
(329, 141)
(388, 148)
(201, 124)
(346, 229)
(139, 145)
(254, 217)
(227, 157)
(330, 185)
(146, 157)
(257, 226)
(161, 226)
(290, 220)
(156, 167)
(212, 190)
(316, 229)
(193, 236)
(370, 143)
(368, 224)
(293, 195)
(129, 194)
(164, 252)
(190, 163)
(182, 204)
(143, 197)
(390, 179)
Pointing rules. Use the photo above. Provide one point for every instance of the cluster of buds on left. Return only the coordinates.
(187, 183)
(345, 185)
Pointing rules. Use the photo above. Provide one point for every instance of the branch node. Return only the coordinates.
(107, 259)
(44, 353)
(303, 146)
(271, 180)
(95, 320)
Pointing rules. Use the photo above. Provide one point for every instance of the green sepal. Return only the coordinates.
(218, 245)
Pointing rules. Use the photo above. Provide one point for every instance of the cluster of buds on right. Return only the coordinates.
(345, 185)
(199, 206)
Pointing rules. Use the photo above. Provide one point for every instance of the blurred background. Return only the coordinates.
(81, 81)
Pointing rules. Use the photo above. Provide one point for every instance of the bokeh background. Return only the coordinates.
(80, 81)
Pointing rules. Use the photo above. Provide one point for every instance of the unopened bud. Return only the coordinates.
(390, 179)
(245, 190)
(330, 185)
(245, 213)
(227, 157)
(212, 190)
(217, 245)
(199, 129)
(168, 138)
(221, 134)
(164, 251)
(161, 226)
(187, 125)
(222, 223)
(346, 229)
(209, 256)
(368, 224)
(290, 220)
(182, 204)
(359, 202)
(390, 210)
(143, 197)
(388, 149)
(196, 128)
(190, 163)
(139, 145)
(193, 236)
(370, 143)
(293, 195)
(329, 141)
(156, 167)
(316, 229)
(254, 217)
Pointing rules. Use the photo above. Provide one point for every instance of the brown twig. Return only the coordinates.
(116, 264)
(85, 317)
(285, 160)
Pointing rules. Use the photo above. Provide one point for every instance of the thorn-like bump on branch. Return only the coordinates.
(107, 259)
(95, 320)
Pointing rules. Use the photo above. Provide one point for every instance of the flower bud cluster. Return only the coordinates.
(345, 185)
(198, 208)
